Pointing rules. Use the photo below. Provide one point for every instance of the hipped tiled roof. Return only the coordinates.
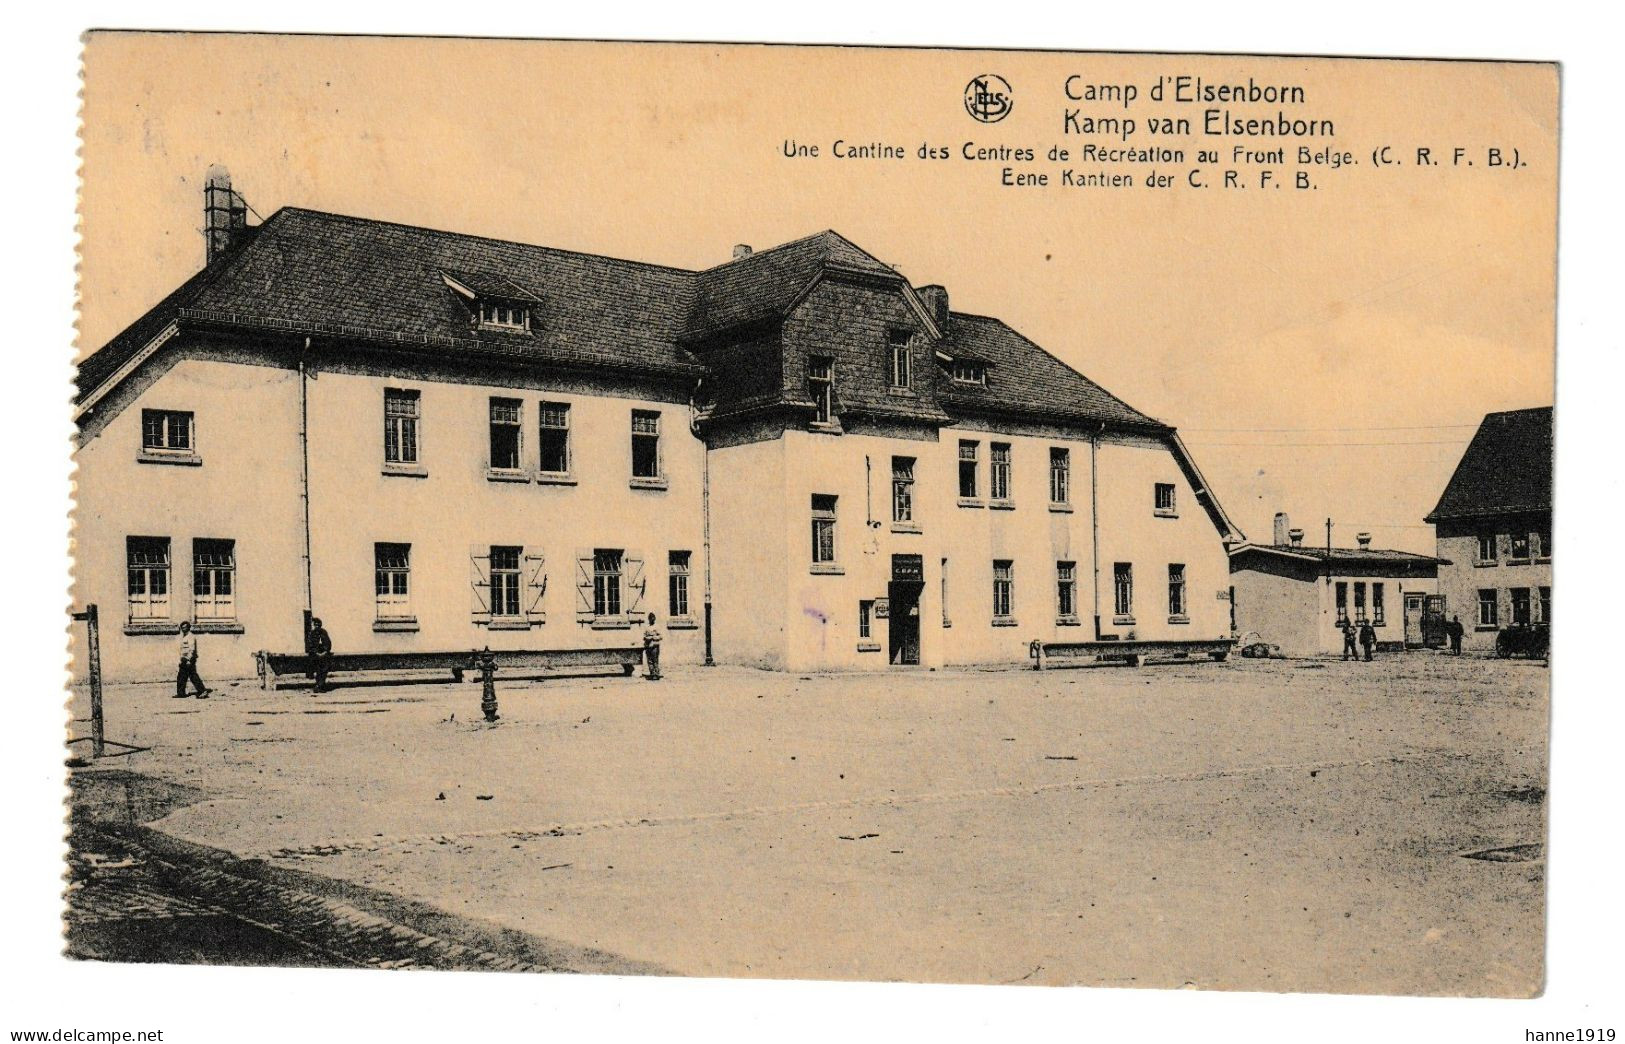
(360, 279)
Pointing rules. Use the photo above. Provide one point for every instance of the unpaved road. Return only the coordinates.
(1257, 825)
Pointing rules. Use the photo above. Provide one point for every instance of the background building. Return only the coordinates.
(436, 441)
(1297, 596)
(1494, 523)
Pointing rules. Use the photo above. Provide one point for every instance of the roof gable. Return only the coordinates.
(1506, 469)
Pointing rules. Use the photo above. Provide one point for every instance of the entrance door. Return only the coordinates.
(1413, 621)
(904, 628)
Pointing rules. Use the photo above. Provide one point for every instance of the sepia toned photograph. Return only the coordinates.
(813, 512)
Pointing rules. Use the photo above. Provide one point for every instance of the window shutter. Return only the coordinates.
(536, 581)
(583, 586)
(479, 583)
(636, 583)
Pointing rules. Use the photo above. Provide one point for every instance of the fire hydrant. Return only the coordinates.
(488, 684)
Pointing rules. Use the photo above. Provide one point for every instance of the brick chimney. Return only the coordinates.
(935, 299)
(1296, 536)
(1364, 540)
(225, 214)
(741, 250)
(1281, 524)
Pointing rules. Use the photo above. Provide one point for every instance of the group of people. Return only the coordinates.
(1365, 634)
(320, 645)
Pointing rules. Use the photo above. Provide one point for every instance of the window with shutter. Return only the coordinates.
(535, 586)
(479, 584)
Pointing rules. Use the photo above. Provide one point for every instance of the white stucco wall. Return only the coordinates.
(245, 489)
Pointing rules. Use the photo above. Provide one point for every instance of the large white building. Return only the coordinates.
(440, 442)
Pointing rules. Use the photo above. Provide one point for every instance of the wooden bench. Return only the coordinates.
(270, 666)
(1049, 655)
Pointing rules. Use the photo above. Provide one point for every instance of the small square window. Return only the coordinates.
(167, 432)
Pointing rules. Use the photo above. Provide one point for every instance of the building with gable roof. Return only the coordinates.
(1494, 522)
(436, 441)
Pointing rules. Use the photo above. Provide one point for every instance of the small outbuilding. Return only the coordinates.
(1296, 597)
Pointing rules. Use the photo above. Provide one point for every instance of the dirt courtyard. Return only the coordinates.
(1258, 825)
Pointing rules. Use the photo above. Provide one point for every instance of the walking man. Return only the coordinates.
(321, 647)
(651, 648)
(1348, 641)
(1368, 638)
(188, 666)
(1455, 630)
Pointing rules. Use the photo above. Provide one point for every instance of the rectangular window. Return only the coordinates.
(1359, 601)
(504, 315)
(1376, 604)
(1123, 589)
(606, 582)
(1066, 590)
(677, 573)
(968, 371)
(148, 562)
(1540, 542)
(1546, 606)
(392, 580)
(823, 529)
(645, 444)
(967, 469)
(1520, 606)
(866, 615)
(1519, 546)
(1163, 499)
(506, 580)
(506, 416)
(401, 416)
(1488, 612)
(1003, 588)
(821, 387)
(1060, 475)
(166, 431)
(901, 361)
(214, 579)
(1486, 547)
(998, 479)
(1342, 601)
(1176, 590)
(902, 489)
(553, 422)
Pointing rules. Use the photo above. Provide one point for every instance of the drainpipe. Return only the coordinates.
(1094, 517)
(705, 507)
(304, 478)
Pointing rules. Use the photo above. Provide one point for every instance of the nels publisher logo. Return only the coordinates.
(988, 98)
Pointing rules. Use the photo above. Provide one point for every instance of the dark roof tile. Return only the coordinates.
(1507, 468)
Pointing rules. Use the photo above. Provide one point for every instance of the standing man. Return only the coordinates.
(321, 647)
(651, 649)
(1455, 630)
(1368, 638)
(1348, 640)
(188, 666)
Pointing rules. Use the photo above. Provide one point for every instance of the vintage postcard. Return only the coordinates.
(810, 512)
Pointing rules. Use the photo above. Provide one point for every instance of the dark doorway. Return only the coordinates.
(903, 598)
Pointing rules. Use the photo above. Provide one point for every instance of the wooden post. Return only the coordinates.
(93, 656)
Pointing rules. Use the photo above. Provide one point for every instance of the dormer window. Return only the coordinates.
(901, 362)
(969, 371)
(504, 315)
(494, 301)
